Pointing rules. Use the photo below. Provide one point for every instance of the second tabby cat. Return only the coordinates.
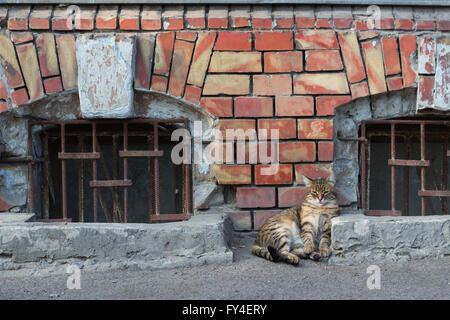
(301, 231)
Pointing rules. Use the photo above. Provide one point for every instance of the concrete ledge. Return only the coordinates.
(358, 239)
(43, 248)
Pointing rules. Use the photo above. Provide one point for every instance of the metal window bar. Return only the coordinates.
(393, 162)
(153, 156)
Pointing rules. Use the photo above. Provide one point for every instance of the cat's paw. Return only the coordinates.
(325, 252)
(308, 249)
(314, 256)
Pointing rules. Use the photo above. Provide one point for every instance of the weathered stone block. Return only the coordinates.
(106, 75)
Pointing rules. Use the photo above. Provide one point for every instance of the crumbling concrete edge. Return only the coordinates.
(42, 249)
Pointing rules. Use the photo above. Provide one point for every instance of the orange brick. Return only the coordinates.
(283, 61)
(236, 62)
(394, 83)
(106, 17)
(374, 66)
(325, 150)
(407, 47)
(229, 84)
(187, 35)
(274, 40)
(159, 83)
(21, 37)
(129, 18)
(144, 55)
(286, 128)
(163, 52)
(325, 105)
(239, 126)
(3, 91)
(296, 106)
(201, 57)
(182, 54)
(320, 83)
(253, 107)
(19, 96)
(219, 107)
(305, 22)
(359, 90)
(192, 94)
(3, 107)
(255, 197)
(312, 171)
(260, 217)
(30, 68)
(425, 25)
(297, 151)
(323, 60)
(352, 56)
(53, 85)
(315, 129)
(291, 196)
(46, 49)
(390, 54)
(271, 85)
(232, 174)
(234, 41)
(282, 174)
(316, 39)
(404, 24)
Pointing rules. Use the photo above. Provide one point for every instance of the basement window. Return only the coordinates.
(108, 171)
(404, 167)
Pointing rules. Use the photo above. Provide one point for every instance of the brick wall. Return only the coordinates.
(254, 67)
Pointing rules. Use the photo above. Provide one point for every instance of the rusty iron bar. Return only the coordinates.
(54, 220)
(406, 181)
(46, 181)
(156, 167)
(94, 169)
(409, 163)
(79, 156)
(125, 171)
(21, 159)
(81, 181)
(116, 215)
(422, 169)
(110, 183)
(393, 167)
(432, 122)
(63, 169)
(444, 173)
(150, 182)
(188, 179)
(383, 212)
(140, 154)
(30, 168)
(170, 217)
(434, 193)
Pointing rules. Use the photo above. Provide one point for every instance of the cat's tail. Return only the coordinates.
(263, 252)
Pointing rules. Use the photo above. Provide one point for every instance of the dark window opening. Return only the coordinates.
(110, 171)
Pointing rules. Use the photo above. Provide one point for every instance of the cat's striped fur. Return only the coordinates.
(301, 231)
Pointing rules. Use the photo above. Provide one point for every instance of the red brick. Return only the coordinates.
(40, 17)
(262, 23)
(182, 54)
(404, 24)
(187, 35)
(425, 95)
(201, 58)
(425, 25)
(159, 83)
(257, 152)
(282, 174)
(407, 47)
(195, 23)
(297, 151)
(352, 56)
(145, 45)
(325, 150)
(129, 17)
(238, 126)
(150, 24)
(40, 23)
(21, 37)
(364, 35)
(325, 105)
(255, 197)
(320, 83)
(373, 58)
(106, 17)
(219, 107)
(253, 107)
(286, 128)
(427, 54)
(287, 23)
(46, 49)
(362, 25)
(444, 25)
(235, 62)
(86, 19)
(30, 68)
(173, 24)
(384, 23)
(343, 23)
(316, 39)
(163, 52)
(240, 22)
(232, 174)
(53, 85)
(3, 107)
(192, 94)
(3, 91)
(273, 40)
(323, 24)
(19, 96)
(4, 206)
(234, 41)
(228, 84)
(217, 23)
(18, 17)
(359, 90)
(305, 22)
(315, 129)
(271, 85)
(323, 60)
(283, 61)
(291, 196)
(260, 217)
(312, 171)
(394, 83)
(390, 54)
(296, 106)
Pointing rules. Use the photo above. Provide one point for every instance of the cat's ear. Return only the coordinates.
(307, 181)
(332, 178)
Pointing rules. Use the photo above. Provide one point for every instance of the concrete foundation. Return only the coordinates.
(360, 239)
(44, 248)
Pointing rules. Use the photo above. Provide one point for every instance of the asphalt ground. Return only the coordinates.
(248, 277)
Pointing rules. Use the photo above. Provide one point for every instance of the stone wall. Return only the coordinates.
(253, 67)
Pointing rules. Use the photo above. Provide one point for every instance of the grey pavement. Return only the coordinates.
(248, 277)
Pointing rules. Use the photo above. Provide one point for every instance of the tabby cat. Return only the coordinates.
(295, 232)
